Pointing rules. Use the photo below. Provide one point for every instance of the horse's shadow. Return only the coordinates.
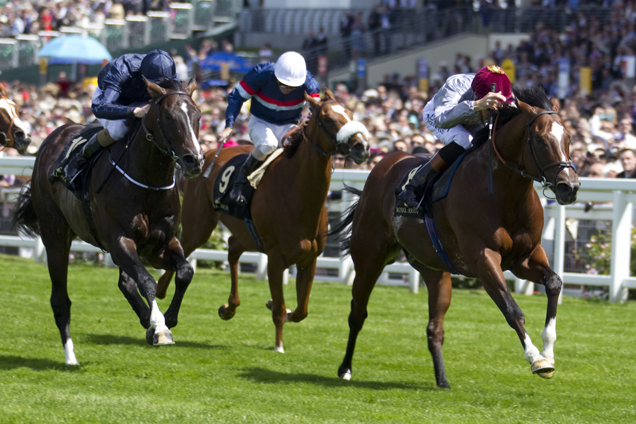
(261, 375)
(109, 339)
(9, 362)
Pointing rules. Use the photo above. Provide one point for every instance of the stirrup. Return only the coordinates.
(409, 197)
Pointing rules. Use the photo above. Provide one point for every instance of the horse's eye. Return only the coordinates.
(538, 139)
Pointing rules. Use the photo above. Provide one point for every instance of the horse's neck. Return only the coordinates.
(145, 162)
(311, 171)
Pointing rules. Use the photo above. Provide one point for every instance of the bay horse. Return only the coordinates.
(13, 132)
(134, 208)
(288, 208)
(483, 232)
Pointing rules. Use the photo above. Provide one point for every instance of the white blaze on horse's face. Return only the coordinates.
(557, 131)
(341, 110)
(10, 107)
(184, 108)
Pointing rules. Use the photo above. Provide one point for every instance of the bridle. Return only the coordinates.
(346, 147)
(9, 135)
(168, 150)
(526, 140)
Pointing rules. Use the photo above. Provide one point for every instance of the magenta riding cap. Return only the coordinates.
(488, 75)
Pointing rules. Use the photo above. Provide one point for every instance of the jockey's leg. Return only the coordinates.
(446, 155)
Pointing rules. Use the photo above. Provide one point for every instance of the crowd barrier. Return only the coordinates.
(614, 200)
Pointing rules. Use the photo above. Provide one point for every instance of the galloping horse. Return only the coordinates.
(484, 228)
(134, 208)
(288, 208)
(13, 132)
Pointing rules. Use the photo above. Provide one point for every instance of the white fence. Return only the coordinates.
(621, 194)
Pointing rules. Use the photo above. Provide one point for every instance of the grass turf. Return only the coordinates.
(228, 372)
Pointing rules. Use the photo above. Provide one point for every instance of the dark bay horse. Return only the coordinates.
(134, 216)
(288, 208)
(13, 132)
(483, 233)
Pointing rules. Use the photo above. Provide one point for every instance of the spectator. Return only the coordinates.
(627, 158)
(345, 32)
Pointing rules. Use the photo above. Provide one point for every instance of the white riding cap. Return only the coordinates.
(291, 69)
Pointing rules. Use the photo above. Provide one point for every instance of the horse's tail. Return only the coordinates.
(24, 216)
(343, 229)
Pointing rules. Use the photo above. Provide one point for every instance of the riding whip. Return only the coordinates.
(207, 172)
(493, 89)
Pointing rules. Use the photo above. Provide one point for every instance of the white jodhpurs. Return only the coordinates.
(458, 133)
(266, 136)
(117, 128)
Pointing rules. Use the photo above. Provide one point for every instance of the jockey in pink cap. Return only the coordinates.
(458, 110)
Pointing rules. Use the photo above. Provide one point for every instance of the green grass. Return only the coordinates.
(228, 372)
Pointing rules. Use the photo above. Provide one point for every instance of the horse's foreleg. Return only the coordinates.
(537, 269)
(124, 253)
(175, 256)
(304, 281)
(440, 289)
(275, 269)
(491, 275)
(234, 251)
(129, 288)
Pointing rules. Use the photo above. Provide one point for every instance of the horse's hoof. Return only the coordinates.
(163, 338)
(150, 335)
(344, 373)
(542, 367)
(225, 313)
(279, 349)
(73, 363)
(268, 305)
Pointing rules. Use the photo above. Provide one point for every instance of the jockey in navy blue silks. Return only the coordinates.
(277, 91)
(120, 89)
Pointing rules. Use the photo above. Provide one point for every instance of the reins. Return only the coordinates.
(541, 179)
(168, 151)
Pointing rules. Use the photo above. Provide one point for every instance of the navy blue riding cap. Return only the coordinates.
(157, 66)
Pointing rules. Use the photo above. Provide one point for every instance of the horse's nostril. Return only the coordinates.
(19, 134)
(189, 159)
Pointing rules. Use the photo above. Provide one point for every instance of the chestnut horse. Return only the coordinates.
(134, 208)
(484, 231)
(13, 132)
(288, 208)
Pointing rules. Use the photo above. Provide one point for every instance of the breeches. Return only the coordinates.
(266, 136)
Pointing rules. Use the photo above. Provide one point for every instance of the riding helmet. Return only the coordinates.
(291, 69)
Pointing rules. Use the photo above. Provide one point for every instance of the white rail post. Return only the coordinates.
(261, 273)
(622, 235)
(524, 287)
(414, 280)
(559, 243)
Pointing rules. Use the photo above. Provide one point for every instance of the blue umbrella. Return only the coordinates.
(75, 49)
(235, 63)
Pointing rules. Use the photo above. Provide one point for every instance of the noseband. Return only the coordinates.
(9, 135)
(330, 136)
(168, 150)
(527, 140)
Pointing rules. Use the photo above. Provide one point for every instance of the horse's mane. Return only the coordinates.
(171, 84)
(294, 140)
(534, 96)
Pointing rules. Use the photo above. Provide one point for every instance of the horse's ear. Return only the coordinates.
(313, 103)
(192, 85)
(555, 104)
(526, 108)
(329, 95)
(153, 89)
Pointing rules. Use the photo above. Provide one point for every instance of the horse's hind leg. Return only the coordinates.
(56, 237)
(129, 288)
(234, 251)
(304, 282)
(537, 269)
(368, 268)
(440, 289)
(491, 275)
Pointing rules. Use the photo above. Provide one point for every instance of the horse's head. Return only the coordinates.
(548, 151)
(339, 132)
(174, 119)
(13, 132)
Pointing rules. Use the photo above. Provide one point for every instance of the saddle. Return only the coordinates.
(436, 188)
(78, 184)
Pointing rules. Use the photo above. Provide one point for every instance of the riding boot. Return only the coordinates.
(71, 168)
(409, 195)
(240, 187)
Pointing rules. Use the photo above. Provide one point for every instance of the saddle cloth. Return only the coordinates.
(436, 188)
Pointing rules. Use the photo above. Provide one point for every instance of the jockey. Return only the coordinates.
(277, 91)
(458, 110)
(120, 89)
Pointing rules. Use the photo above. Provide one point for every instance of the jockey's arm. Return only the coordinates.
(105, 106)
(450, 110)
